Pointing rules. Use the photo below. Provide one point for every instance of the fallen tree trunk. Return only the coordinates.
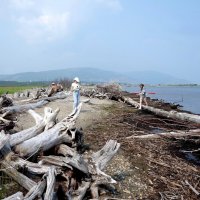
(169, 114)
(167, 134)
(59, 95)
(24, 108)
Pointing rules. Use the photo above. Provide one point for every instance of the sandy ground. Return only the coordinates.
(91, 112)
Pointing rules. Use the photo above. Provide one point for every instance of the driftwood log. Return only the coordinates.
(18, 196)
(34, 103)
(169, 114)
(23, 108)
(195, 133)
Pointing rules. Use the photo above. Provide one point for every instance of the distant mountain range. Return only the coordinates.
(95, 75)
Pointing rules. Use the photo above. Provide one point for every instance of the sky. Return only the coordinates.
(118, 35)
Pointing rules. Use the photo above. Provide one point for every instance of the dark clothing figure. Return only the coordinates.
(55, 88)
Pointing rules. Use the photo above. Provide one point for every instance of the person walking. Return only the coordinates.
(75, 88)
(142, 96)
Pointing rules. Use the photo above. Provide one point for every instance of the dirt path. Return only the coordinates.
(90, 112)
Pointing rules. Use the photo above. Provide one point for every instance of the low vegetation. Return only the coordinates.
(11, 87)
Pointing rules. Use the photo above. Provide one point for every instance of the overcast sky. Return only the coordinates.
(131, 35)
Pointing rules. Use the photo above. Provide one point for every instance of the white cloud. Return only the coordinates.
(44, 27)
(49, 20)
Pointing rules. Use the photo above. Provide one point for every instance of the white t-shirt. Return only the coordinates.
(143, 92)
(75, 87)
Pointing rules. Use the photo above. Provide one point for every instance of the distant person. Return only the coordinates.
(75, 88)
(59, 87)
(142, 96)
(55, 88)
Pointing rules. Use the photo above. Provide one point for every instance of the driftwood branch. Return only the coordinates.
(16, 196)
(23, 108)
(37, 190)
(192, 188)
(51, 180)
(41, 124)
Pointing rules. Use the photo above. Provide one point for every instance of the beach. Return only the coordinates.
(142, 168)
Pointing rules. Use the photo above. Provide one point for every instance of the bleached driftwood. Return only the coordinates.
(4, 139)
(37, 190)
(76, 162)
(195, 132)
(169, 114)
(42, 123)
(65, 150)
(65, 161)
(51, 180)
(23, 180)
(99, 161)
(4, 144)
(49, 138)
(16, 196)
(19, 163)
(24, 108)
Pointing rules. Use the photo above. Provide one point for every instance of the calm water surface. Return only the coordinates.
(187, 96)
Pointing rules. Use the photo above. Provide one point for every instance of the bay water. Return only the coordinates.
(187, 96)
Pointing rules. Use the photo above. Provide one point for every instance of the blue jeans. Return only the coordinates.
(76, 96)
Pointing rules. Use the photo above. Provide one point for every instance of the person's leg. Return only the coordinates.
(78, 98)
(145, 101)
(141, 97)
(75, 96)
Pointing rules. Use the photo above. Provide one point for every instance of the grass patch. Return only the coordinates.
(13, 89)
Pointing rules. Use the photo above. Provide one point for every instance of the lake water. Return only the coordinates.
(187, 96)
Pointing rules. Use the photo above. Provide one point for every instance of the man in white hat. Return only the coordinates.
(75, 88)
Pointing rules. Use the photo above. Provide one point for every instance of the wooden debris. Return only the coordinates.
(79, 174)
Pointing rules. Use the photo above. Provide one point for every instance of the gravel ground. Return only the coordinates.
(90, 112)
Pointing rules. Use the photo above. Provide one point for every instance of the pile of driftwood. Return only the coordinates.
(106, 91)
(6, 121)
(45, 160)
(9, 107)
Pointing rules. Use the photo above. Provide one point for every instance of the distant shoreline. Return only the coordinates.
(162, 85)
(17, 83)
